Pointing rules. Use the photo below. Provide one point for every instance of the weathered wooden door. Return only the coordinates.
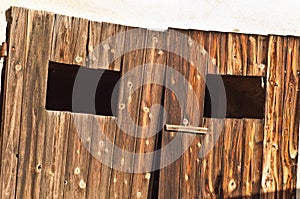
(59, 154)
(50, 152)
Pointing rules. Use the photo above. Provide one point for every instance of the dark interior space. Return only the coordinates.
(61, 80)
(245, 96)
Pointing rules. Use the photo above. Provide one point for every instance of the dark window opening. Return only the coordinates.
(245, 96)
(61, 81)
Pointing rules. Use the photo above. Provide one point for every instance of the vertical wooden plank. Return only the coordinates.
(236, 54)
(244, 39)
(258, 56)
(150, 119)
(297, 129)
(129, 102)
(289, 142)
(99, 174)
(272, 171)
(232, 158)
(40, 28)
(256, 166)
(252, 157)
(100, 34)
(248, 138)
(69, 46)
(104, 40)
(77, 164)
(214, 40)
(218, 45)
(54, 154)
(69, 40)
(210, 168)
(193, 112)
(13, 89)
(169, 175)
(223, 54)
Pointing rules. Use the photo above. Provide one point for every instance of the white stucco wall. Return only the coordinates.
(252, 16)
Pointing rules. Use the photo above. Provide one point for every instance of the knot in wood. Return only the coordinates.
(138, 194)
(78, 59)
(190, 41)
(155, 40)
(18, 67)
(232, 185)
(39, 168)
(76, 170)
(82, 184)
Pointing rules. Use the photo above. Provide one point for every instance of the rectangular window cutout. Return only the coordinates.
(245, 96)
(92, 96)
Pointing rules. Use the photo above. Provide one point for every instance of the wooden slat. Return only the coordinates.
(232, 158)
(210, 168)
(33, 116)
(77, 164)
(69, 40)
(69, 44)
(13, 89)
(233, 167)
(217, 51)
(272, 172)
(105, 40)
(256, 164)
(99, 175)
(252, 157)
(129, 102)
(150, 119)
(169, 175)
(193, 113)
(237, 54)
(257, 55)
(54, 154)
(289, 143)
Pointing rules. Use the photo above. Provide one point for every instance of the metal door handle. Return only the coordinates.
(186, 129)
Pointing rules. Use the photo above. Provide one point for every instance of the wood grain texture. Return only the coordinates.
(33, 116)
(237, 54)
(129, 102)
(54, 154)
(252, 153)
(272, 170)
(217, 50)
(289, 144)
(13, 87)
(77, 164)
(69, 40)
(69, 44)
(257, 53)
(232, 169)
(210, 168)
(99, 174)
(232, 158)
(169, 182)
(193, 113)
(150, 119)
(104, 40)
